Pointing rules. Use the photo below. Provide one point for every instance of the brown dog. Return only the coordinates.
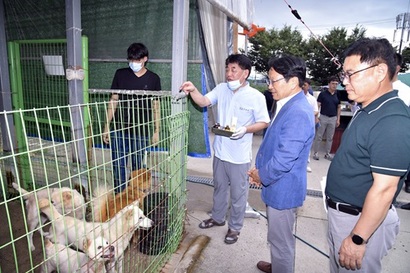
(106, 204)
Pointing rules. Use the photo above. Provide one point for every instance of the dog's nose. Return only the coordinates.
(112, 248)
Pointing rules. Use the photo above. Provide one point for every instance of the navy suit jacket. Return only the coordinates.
(283, 155)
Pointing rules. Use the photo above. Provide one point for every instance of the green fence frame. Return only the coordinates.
(32, 87)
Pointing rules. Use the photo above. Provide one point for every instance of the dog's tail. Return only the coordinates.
(48, 209)
(100, 202)
(21, 190)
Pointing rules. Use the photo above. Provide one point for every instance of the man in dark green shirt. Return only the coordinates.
(368, 169)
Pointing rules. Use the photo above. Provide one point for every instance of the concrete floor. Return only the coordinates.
(311, 227)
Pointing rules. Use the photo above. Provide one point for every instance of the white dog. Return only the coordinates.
(118, 230)
(66, 200)
(66, 260)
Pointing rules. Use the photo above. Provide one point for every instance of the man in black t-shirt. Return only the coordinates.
(132, 114)
(329, 104)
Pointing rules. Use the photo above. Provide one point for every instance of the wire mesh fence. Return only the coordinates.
(69, 212)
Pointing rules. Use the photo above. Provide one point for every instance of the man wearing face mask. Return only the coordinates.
(133, 115)
(236, 101)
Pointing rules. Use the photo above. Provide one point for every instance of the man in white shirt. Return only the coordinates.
(312, 101)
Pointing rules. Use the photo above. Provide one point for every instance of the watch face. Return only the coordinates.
(357, 239)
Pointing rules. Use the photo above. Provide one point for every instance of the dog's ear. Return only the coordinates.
(47, 242)
(129, 214)
(86, 244)
(67, 196)
(134, 174)
(43, 203)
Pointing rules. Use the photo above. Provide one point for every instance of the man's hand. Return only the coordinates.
(350, 254)
(254, 177)
(106, 136)
(239, 133)
(187, 87)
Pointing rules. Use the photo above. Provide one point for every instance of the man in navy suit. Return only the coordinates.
(282, 160)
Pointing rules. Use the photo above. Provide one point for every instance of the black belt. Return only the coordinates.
(346, 208)
(328, 116)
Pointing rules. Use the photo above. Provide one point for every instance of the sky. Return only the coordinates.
(377, 16)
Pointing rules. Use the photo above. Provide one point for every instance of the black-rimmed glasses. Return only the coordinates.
(346, 75)
(270, 82)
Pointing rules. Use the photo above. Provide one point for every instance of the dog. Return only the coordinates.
(66, 200)
(105, 204)
(118, 230)
(66, 260)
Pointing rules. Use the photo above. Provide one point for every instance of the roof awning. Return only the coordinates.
(238, 11)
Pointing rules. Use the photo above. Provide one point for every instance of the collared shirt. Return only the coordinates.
(312, 101)
(248, 105)
(377, 140)
(328, 103)
(280, 104)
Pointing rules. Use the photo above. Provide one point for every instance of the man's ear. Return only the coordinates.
(294, 82)
(248, 73)
(381, 71)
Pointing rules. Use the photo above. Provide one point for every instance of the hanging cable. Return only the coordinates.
(295, 13)
(209, 182)
(297, 237)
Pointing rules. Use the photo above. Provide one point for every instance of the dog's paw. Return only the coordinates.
(43, 233)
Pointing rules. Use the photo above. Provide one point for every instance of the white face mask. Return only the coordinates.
(135, 66)
(233, 85)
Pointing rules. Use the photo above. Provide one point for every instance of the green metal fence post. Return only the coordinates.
(17, 101)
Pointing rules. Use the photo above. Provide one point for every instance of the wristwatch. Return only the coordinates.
(357, 239)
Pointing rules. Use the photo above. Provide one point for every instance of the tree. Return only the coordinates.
(320, 63)
(267, 44)
(406, 59)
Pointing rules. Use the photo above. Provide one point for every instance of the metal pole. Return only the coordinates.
(75, 87)
(402, 31)
(8, 132)
(179, 51)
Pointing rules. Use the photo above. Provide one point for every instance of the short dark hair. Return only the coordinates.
(333, 79)
(242, 60)
(137, 51)
(289, 66)
(374, 51)
(308, 81)
(399, 59)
